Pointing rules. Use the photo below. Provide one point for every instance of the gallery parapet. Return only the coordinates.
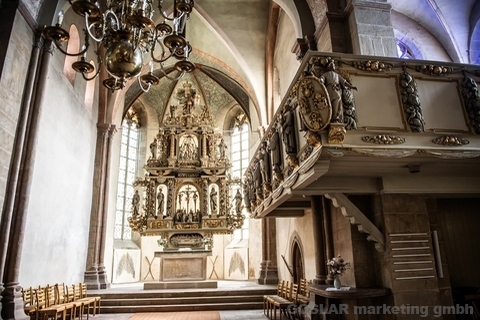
(340, 104)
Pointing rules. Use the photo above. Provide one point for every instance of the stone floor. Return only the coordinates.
(224, 315)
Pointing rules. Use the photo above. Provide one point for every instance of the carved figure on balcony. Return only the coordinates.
(257, 182)
(264, 160)
(288, 127)
(339, 91)
(136, 203)
(275, 151)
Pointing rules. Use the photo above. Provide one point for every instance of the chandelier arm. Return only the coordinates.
(163, 54)
(90, 26)
(58, 44)
(165, 16)
(171, 78)
(100, 62)
(141, 85)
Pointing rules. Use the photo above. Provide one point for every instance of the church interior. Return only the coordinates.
(333, 144)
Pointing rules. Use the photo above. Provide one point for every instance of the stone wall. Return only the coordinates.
(12, 81)
(60, 198)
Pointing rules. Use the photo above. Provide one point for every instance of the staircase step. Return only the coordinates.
(180, 300)
(183, 307)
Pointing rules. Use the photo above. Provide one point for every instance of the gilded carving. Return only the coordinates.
(411, 102)
(339, 87)
(471, 99)
(314, 106)
(186, 157)
(450, 141)
(336, 133)
(370, 65)
(433, 70)
(383, 139)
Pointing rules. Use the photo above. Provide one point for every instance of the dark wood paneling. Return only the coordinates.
(460, 221)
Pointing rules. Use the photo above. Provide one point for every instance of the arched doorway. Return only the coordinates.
(297, 258)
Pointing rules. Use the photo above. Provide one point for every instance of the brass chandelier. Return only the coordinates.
(126, 31)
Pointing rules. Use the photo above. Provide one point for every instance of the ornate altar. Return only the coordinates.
(185, 195)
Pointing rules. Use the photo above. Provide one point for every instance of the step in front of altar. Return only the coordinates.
(159, 285)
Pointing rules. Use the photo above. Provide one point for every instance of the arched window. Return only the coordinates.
(240, 160)
(90, 89)
(126, 176)
(72, 47)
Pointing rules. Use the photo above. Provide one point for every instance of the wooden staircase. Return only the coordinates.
(187, 300)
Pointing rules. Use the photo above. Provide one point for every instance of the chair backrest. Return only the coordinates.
(28, 296)
(286, 289)
(281, 284)
(50, 296)
(61, 296)
(84, 289)
(77, 291)
(70, 293)
(41, 298)
(293, 293)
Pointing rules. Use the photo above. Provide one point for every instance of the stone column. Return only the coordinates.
(327, 228)
(371, 28)
(19, 184)
(319, 244)
(268, 266)
(95, 275)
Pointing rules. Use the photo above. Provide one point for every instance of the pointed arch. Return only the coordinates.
(73, 46)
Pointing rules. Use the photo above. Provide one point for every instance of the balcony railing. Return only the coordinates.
(356, 124)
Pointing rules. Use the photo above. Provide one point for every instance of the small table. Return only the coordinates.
(340, 304)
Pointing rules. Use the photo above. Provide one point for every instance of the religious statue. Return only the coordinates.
(338, 91)
(264, 159)
(288, 129)
(160, 201)
(153, 148)
(136, 203)
(238, 202)
(213, 200)
(275, 151)
(222, 146)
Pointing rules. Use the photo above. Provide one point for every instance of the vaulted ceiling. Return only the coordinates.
(229, 40)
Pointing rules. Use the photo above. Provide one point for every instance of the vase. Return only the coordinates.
(206, 247)
(160, 248)
(336, 282)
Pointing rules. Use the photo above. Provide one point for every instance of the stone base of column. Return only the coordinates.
(268, 274)
(96, 279)
(12, 302)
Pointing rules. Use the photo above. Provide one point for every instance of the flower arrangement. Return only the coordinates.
(337, 266)
(162, 242)
(207, 241)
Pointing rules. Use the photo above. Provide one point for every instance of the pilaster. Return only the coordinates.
(371, 28)
(268, 266)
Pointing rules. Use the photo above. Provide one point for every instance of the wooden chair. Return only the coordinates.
(61, 298)
(47, 307)
(96, 299)
(303, 293)
(70, 297)
(87, 302)
(268, 298)
(289, 297)
(29, 301)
